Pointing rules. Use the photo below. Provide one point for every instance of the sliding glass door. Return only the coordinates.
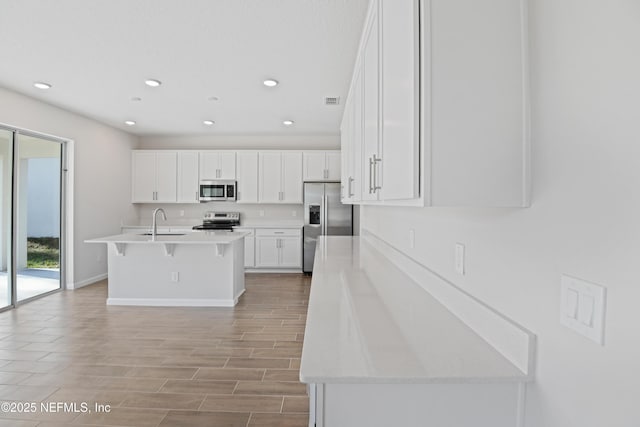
(6, 168)
(37, 207)
(30, 216)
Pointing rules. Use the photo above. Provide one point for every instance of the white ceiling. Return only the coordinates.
(98, 53)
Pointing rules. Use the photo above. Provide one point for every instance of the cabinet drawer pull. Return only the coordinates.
(350, 193)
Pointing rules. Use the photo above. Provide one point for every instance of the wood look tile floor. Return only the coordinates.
(158, 366)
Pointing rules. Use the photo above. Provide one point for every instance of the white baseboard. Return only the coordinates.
(273, 270)
(237, 298)
(86, 282)
(160, 302)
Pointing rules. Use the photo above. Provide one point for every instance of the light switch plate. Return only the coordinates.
(582, 307)
(459, 262)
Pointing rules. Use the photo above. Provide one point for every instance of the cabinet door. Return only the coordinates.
(166, 173)
(333, 159)
(247, 169)
(346, 143)
(144, 176)
(398, 172)
(227, 165)
(249, 251)
(292, 177)
(209, 165)
(290, 252)
(270, 172)
(267, 251)
(314, 166)
(356, 154)
(370, 105)
(188, 165)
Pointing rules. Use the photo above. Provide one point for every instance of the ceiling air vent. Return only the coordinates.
(331, 100)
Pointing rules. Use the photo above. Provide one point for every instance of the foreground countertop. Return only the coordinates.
(203, 237)
(368, 322)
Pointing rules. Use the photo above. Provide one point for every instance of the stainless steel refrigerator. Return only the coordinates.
(324, 215)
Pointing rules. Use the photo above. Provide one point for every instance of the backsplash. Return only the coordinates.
(178, 214)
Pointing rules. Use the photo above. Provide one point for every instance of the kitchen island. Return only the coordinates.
(204, 269)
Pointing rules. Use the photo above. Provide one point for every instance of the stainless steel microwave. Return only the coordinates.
(217, 190)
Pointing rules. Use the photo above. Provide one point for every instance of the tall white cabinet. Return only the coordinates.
(247, 172)
(188, 177)
(437, 110)
(154, 176)
(280, 177)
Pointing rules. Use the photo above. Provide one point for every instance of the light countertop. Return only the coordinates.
(249, 223)
(368, 322)
(203, 237)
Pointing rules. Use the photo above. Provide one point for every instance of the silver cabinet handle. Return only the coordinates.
(278, 232)
(350, 193)
(370, 175)
(376, 160)
(197, 196)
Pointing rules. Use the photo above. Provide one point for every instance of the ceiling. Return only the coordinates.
(97, 55)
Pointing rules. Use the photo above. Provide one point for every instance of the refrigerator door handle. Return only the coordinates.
(326, 213)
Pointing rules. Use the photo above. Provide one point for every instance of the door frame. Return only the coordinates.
(66, 212)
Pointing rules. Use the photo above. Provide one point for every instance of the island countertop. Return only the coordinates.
(197, 238)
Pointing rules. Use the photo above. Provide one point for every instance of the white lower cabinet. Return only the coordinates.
(278, 248)
(249, 247)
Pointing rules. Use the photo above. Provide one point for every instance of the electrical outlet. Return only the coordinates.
(294, 213)
(181, 212)
(99, 257)
(261, 213)
(459, 264)
(175, 276)
(412, 239)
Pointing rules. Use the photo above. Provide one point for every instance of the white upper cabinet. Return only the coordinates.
(188, 164)
(154, 176)
(292, 177)
(218, 165)
(247, 170)
(476, 91)
(351, 142)
(280, 177)
(437, 111)
(321, 165)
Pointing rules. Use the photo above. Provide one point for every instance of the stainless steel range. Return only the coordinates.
(219, 221)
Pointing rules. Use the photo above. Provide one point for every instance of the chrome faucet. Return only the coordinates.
(154, 228)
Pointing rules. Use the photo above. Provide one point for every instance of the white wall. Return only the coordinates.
(240, 142)
(43, 197)
(102, 173)
(584, 219)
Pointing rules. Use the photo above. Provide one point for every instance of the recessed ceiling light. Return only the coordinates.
(129, 123)
(136, 99)
(208, 122)
(288, 122)
(42, 85)
(152, 82)
(270, 83)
